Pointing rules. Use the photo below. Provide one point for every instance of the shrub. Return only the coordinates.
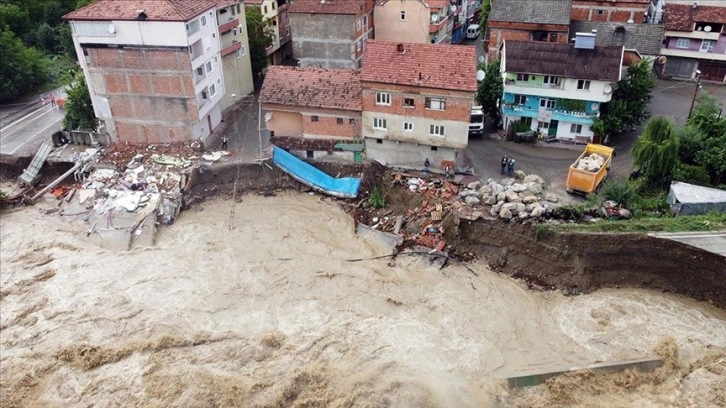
(376, 199)
(620, 191)
(520, 126)
(693, 174)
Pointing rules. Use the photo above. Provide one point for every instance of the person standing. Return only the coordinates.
(447, 172)
(224, 142)
(510, 168)
(427, 164)
(52, 100)
(504, 162)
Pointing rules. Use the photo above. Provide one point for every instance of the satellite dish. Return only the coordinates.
(479, 75)
(481, 59)
(111, 29)
(662, 59)
(434, 17)
(707, 29)
(607, 89)
(594, 106)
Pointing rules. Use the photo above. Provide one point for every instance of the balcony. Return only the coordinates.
(236, 45)
(228, 26)
(547, 115)
(528, 84)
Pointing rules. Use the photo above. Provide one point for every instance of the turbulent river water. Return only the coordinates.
(259, 303)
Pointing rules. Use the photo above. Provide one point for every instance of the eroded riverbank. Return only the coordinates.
(263, 308)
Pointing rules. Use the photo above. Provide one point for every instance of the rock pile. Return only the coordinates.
(522, 197)
(591, 163)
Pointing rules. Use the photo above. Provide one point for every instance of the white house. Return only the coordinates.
(558, 88)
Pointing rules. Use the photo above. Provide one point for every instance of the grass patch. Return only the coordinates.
(706, 222)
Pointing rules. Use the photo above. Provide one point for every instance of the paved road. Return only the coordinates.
(710, 241)
(24, 126)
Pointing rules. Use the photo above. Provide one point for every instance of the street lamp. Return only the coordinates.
(695, 93)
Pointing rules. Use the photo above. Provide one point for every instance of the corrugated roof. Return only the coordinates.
(680, 17)
(546, 58)
(312, 87)
(155, 10)
(647, 39)
(328, 7)
(426, 65)
(532, 11)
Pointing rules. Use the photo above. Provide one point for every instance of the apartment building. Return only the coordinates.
(558, 88)
(234, 52)
(417, 101)
(275, 13)
(314, 112)
(414, 21)
(331, 33)
(527, 21)
(154, 69)
(695, 41)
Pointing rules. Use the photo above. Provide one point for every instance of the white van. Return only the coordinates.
(472, 32)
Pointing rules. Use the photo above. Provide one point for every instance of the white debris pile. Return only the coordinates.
(591, 163)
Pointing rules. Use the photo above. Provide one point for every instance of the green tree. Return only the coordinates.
(629, 104)
(15, 19)
(708, 118)
(260, 37)
(656, 151)
(79, 108)
(486, 8)
(21, 67)
(489, 91)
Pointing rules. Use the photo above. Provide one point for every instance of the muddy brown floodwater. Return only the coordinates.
(271, 312)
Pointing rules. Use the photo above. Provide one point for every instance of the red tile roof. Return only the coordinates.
(156, 10)
(328, 7)
(436, 4)
(312, 87)
(680, 17)
(425, 65)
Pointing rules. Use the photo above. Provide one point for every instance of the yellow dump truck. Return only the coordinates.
(589, 170)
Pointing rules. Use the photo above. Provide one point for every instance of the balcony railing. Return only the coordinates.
(230, 48)
(556, 114)
(228, 25)
(528, 84)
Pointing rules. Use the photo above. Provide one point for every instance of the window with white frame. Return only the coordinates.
(683, 43)
(707, 46)
(436, 103)
(209, 66)
(357, 46)
(543, 125)
(552, 80)
(408, 126)
(357, 25)
(520, 99)
(522, 77)
(242, 51)
(212, 91)
(380, 124)
(403, 15)
(583, 84)
(365, 21)
(547, 103)
(200, 71)
(409, 103)
(575, 128)
(383, 98)
(436, 130)
(204, 21)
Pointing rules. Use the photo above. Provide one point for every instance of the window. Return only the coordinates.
(522, 77)
(436, 130)
(436, 103)
(383, 98)
(543, 125)
(204, 21)
(193, 27)
(408, 103)
(575, 128)
(403, 16)
(600, 12)
(434, 148)
(379, 141)
(241, 52)
(365, 22)
(287, 31)
(707, 46)
(264, 10)
(309, 154)
(379, 123)
(240, 30)
(683, 43)
(526, 121)
(204, 95)
(520, 99)
(408, 126)
(200, 71)
(357, 25)
(209, 66)
(351, 121)
(339, 121)
(547, 103)
(234, 11)
(552, 80)
(274, 23)
(583, 84)
(553, 37)
(314, 118)
(357, 46)
(273, 5)
(212, 91)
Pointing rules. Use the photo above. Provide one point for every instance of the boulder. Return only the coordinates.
(502, 196)
(474, 185)
(533, 178)
(485, 190)
(519, 174)
(551, 198)
(498, 206)
(537, 211)
(491, 200)
(519, 207)
(469, 193)
(493, 211)
(507, 182)
(518, 188)
(496, 188)
(511, 195)
(523, 215)
(471, 200)
(505, 213)
(529, 199)
(534, 188)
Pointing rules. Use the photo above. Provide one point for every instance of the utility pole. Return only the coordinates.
(695, 93)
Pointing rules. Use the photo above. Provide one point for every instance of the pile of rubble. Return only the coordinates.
(591, 163)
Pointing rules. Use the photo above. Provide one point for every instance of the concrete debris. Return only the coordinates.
(591, 163)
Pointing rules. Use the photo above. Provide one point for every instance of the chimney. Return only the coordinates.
(401, 49)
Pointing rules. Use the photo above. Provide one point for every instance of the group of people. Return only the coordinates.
(447, 169)
(508, 164)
